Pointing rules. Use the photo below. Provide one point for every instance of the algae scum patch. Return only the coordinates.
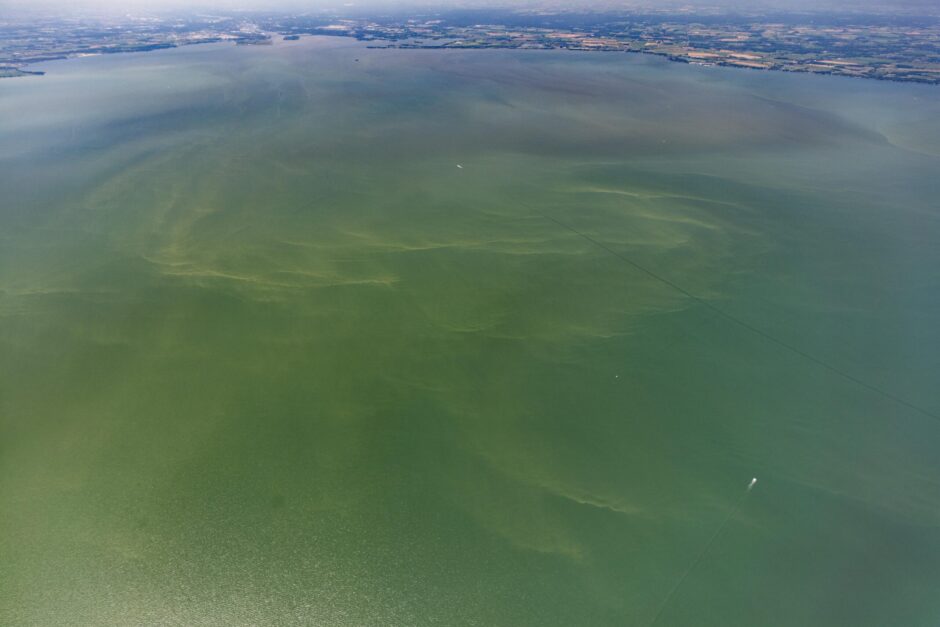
(268, 356)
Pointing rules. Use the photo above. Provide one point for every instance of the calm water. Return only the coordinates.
(268, 356)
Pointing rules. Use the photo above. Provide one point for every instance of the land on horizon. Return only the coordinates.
(898, 47)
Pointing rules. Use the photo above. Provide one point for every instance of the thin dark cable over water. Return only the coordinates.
(750, 327)
(698, 558)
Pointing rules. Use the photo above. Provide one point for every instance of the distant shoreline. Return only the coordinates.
(671, 59)
(16, 71)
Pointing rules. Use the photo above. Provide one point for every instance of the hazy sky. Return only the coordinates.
(929, 6)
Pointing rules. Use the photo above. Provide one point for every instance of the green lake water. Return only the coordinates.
(268, 356)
